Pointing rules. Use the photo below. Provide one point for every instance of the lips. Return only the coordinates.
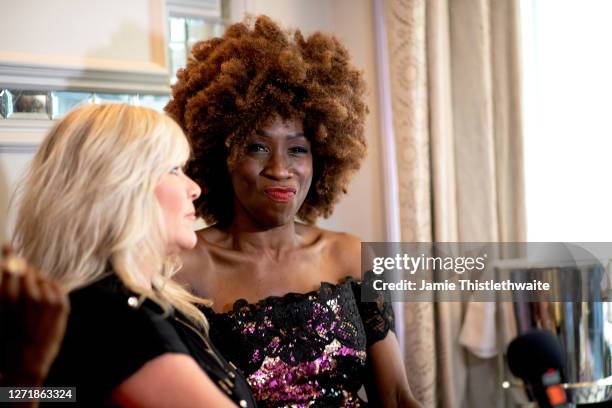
(280, 194)
(191, 216)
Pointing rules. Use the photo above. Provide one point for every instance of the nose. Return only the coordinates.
(277, 167)
(193, 189)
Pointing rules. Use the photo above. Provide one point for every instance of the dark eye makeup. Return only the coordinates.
(257, 148)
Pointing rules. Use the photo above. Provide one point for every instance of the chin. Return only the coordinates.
(189, 244)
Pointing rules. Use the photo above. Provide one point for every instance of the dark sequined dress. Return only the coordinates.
(304, 349)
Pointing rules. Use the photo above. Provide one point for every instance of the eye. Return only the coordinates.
(176, 170)
(257, 148)
(298, 150)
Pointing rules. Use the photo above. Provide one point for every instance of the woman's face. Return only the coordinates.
(175, 193)
(272, 177)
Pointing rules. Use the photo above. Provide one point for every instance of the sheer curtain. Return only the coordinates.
(452, 70)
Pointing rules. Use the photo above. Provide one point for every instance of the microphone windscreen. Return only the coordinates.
(530, 355)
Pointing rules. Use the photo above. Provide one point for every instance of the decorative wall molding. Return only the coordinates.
(90, 75)
(18, 149)
(23, 136)
(195, 8)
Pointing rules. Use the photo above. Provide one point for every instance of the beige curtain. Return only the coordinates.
(455, 93)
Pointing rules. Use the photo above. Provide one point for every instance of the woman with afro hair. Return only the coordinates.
(276, 122)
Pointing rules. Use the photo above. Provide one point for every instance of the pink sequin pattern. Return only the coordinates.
(278, 381)
(303, 349)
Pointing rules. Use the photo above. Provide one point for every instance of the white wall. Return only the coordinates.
(111, 33)
(13, 163)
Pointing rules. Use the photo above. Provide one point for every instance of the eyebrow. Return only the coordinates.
(291, 136)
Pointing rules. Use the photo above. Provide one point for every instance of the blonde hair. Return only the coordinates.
(88, 205)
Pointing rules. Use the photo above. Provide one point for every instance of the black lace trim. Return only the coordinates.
(377, 316)
(294, 327)
(297, 327)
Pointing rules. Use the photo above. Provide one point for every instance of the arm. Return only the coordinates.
(170, 380)
(388, 385)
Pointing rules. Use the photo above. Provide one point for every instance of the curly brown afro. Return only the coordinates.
(236, 84)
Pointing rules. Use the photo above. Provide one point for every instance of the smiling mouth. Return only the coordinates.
(281, 195)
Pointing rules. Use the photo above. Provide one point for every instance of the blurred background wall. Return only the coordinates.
(117, 50)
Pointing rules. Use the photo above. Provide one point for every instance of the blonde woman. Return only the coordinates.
(105, 207)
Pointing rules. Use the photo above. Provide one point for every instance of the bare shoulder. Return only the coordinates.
(346, 243)
(344, 250)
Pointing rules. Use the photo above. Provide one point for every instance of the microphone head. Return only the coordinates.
(532, 354)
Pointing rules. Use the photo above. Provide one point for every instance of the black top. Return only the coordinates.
(305, 349)
(110, 335)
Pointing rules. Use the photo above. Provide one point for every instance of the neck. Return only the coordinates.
(147, 270)
(274, 240)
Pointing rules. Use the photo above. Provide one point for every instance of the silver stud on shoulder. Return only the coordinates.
(133, 302)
